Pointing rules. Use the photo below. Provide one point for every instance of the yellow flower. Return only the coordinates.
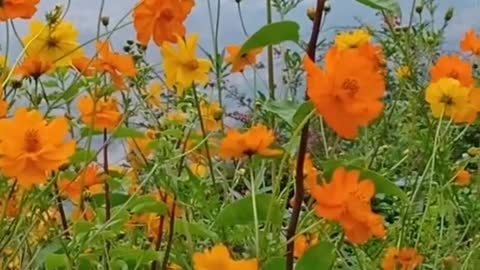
(219, 258)
(403, 72)
(152, 96)
(56, 43)
(448, 97)
(354, 39)
(177, 117)
(182, 67)
(32, 148)
(211, 115)
(199, 169)
(3, 62)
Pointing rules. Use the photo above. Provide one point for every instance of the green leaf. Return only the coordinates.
(147, 204)
(185, 228)
(284, 109)
(125, 132)
(71, 92)
(382, 185)
(86, 132)
(302, 112)
(275, 263)
(272, 34)
(137, 255)
(56, 261)
(241, 211)
(115, 199)
(42, 256)
(319, 257)
(83, 155)
(390, 6)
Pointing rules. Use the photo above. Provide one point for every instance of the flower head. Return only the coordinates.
(84, 65)
(34, 67)
(240, 61)
(463, 178)
(13, 9)
(56, 43)
(348, 94)
(256, 141)
(89, 180)
(452, 67)
(152, 96)
(303, 243)
(401, 259)
(182, 67)
(448, 98)
(100, 114)
(355, 39)
(346, 200)
(31, 148)
(471, 43)
(115, 64)
(219, 258)
(211, 116)
(161, 20)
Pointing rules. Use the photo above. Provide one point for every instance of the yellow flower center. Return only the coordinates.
(350, 86)
(447, 100)
(191, 65)
(32, 141)
(52, 42)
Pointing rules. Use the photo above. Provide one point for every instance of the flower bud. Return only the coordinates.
(105, 21)
(327, 6)
(449, 14)
(311, 12)
(419, 9)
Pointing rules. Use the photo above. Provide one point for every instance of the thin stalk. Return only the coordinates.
(170, 236)
(63, 217)
(253, 187)
(299, 177)
(108, 204)
(204, 134)
(158, 241)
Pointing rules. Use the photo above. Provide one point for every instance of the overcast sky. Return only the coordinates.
(344, 13)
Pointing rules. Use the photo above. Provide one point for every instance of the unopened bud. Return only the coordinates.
(419, 9)
(327, 6)
(449, 14)
(105, 21)
(311, 13)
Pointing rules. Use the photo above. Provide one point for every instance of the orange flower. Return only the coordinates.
(348, 94)
(34, 67)
(161, 20)
(302, 244)
(84, 66)
(101, 114)
(86, 214)
(256, 141)
(114, 64)
(219, 258)
(13, 9)
(89, 179)
(3, 107)
(11, 206)
(31, 148)
(452, 67)
(403, 259)
(471, 43)
(239, 62)
(199, 169)
(463, 178)
(346, 200)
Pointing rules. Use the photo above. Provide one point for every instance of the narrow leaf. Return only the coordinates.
(272, 34)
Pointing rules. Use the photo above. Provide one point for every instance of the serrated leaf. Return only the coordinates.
(390, 6)
(125, 132)
(319, 257)
(272, 34)
(382, 185)
(241, 211)
(275, 263)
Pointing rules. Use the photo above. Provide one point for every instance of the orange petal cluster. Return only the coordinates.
(31, 148)
(402, 259)
(89, 180)
(114, 64)
(463, 178)
(348, 93)
(471, 43)
(100, 114)
(34, 67)
(240, 61)
(255, 141)
(13, 9)
(346, 200)
(161, 20)
(219, 257)
(303, 243)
